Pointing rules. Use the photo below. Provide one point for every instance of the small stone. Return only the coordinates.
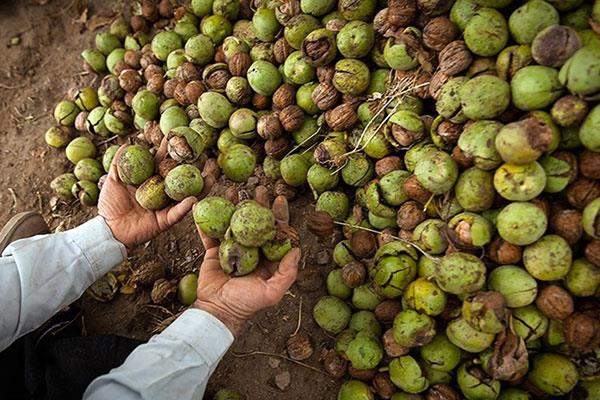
(274, 362)
(283, 380)
(323, 257)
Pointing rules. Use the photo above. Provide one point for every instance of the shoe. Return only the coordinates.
(21, 226)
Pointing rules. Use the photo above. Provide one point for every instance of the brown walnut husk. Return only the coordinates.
(334, 364)
(442, 391)
(383, 385)
(509, 360)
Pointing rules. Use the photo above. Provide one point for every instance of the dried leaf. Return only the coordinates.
(98, 21)
(510, 360)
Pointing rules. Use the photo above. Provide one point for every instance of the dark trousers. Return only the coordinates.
(58, 364)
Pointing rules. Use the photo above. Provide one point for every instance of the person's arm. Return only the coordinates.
(178, 363)
(41, 275)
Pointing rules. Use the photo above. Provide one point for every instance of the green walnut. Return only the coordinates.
(95, 60)
(514, 394)
(86, 99)
(186, 30)
(469, 229)
(430, 236)
(425, 297)
(336, 286)
(238, 162)
(375, 203)
(475, 384)
(174, 60)
(321, 179)
(332, 314)
(298, 27)
(407, 374)
(65, 113)
(242, 123)
(522, 142)
(171, 118)
(236, 259)
(477, 142)
(151, 194)
(109, 155)
(484, 97)
(365, 298)
(460, 273)
(529, 323)
(88, 169)
(264, 78)
(520, 182)
(365, 321)
(80, 148)
(358, 170)
(294, 170)
(530, 19)
(390, 186)
(304, 98)
(364, 351)
(135, 165)
(297, 70)
(583, 278)
(412, 329)
(145, 104)
(58, 136)
(317, 7)
(437, 173)
(580, 74)
(351, 76)
(319, 47)
(474, 190)
(393, 273)
(62, 185)
(226, 394)
(216, 28)
(398, 55)
(355, 39)
(213, 215)
(342, 253)
(515, 284)
(512, 59)
(464, 336)
(535, 87)
(335, 204)
(548, 259)
(265, 24)
(521, 223)
(486, 32)
(441, 354)
(115, 57)
(591, 219)
(164, 43)
(407, 127)
(215, 109)
(588, 133)
(355, 390)
(559, 173)
(187, 289)
(183, 181)
(106, 42)
(252, 225)
(199, 49)
(553, 374)
(462, 11)
(86, 192)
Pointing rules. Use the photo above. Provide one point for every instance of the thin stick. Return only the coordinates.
(262, 353)
(392, 236)
(110, 139)
(14, 197)
(304, 141)
(299, 319)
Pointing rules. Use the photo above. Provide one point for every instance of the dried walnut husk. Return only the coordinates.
(509, 360)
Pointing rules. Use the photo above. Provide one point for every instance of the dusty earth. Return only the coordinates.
(34, 75)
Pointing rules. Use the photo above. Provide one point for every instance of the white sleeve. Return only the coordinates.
(41, 275)
(173, 365)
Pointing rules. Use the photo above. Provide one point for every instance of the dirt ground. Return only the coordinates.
(37, 73)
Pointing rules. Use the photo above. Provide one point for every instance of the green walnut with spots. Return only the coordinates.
(484, 97)
(332, 314)
(355, 390)
(80, 148)
(486, 32)
(407, 374)
(475, 384)
(425, 297)
(477, 143)
(236, 259)
(86, 192)
(88, 169)
(365, 321)
(393, 273)
(62, 186)
(357, 171)
(559, 173)
(583, 278)
(554, 374)
(365, 298)
(298, 28)
(437, 173)
(441, 354)
(474, 190)
(470, 230)
(448, 103)
(548, 259)
(351, 76)
(58, 136)
(355, 39)
(238, 162)
(321, 179)
(523, 142)
(520, 182)
(588, 133)
(530, 19)
(580, 73)
(529, 323)
(172, 117)
(294, 170)
(252, 225)
(390, 186)
(151, 194)
(335, 204)
(199, 49)
(95, 122)
(514, 283)
(535, 87)
(183, 181)
(413, 329)
(242, 123)
(213, 215)
(364, 351)
(591, 219)
(145, 104)
(464, 336)
(135, 165)
(86, 99)
(521, 223)
(460, 273)
(430, 236)
(297, 70)
(95, 60)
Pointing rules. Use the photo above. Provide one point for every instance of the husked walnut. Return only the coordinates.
(341, 118)
(502, 253)
(555, 302)
(413, 189)
(582, 331)
(438, 32)
(386, 311)
(567, 224)
(269, 127)
(454, 58)
(291, 118)
(410, 214)
(582, 191)
(300, 347)
(284, 96)
(239, 64)
(363, 244)
(387, 165)
(592, 252)
(277, 148)
(325, 96)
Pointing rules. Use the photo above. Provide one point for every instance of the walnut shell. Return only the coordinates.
(284, 96)
(589, 164)
(152, 133)
(401, 12)
(442, 391)
(130, 80)
(386, 311)
(354, 274)
(155, 84)
(438, 32)
(391, 347)
(415, 190)
(325, 96)
(163, 291)
(383, 385)
(169, 87)
(188, 72)
(387, 165)
(300, 347)
(409, 215)
(583, 191)
(325, 73)
(567, 224)
(239, 64)
(166, 165)
(320, 223)
(283, 189)
(592, 252)
(363, 244)
(269, 127)
(555, 302)
(454, 58)
(341, 118)
(193, 91)
(277, 148)
(282, 49)
(261, 102)
(132, 58)
(501, 252)
(582, 331)
(291, 118)
(180, 95)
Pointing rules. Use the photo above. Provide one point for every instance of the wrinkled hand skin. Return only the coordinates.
(235, 300)
(129, 222)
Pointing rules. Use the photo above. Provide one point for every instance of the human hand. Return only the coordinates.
(129, 222)
(234, 300)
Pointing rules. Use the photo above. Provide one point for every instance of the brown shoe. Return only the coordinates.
(23, 225)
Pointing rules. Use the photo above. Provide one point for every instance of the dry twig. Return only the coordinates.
(262, 353)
